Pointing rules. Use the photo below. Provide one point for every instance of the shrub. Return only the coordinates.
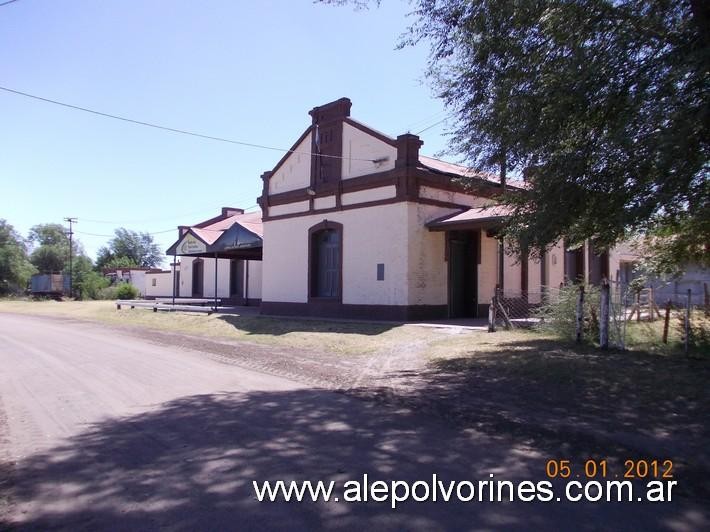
(110, 292)
(559, 315)
(127, 291)
(90, 284)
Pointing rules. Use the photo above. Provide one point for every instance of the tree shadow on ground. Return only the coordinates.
(188, 465)
(265, 325)
(581, 402)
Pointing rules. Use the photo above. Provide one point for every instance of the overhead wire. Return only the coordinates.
(86, 233)
(175, 130)
(433, 125)
(8, 2)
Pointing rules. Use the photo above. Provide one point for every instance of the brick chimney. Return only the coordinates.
(407, 150)
(330, 112)
(327, 141)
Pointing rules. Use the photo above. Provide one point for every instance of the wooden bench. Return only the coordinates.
(133, 303)
(188, 301)
(157, 305)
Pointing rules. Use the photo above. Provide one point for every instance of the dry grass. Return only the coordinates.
(344, 338)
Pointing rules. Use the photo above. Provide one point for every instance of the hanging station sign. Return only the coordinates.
(191, 245)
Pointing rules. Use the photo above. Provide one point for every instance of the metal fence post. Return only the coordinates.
(580, 314)
(687, 323)
(666, 322)
(492, 315)
(604, 315)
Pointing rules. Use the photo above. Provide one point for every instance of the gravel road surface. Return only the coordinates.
(105, 430)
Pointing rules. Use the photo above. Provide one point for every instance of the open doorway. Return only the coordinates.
(236, 278)
(463, 273)
(198, 276)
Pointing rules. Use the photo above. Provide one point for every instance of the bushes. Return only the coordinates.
(127, 291)
(558, 315)
(90, 284)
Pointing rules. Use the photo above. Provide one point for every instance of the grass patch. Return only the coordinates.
(344, 338)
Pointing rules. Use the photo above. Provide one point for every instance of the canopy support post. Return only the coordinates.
(215, 282)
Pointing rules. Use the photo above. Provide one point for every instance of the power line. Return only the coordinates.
(112, 235)
(174, 130)
(8, 2)
(434, 124)
(151, 220)
(142, 232)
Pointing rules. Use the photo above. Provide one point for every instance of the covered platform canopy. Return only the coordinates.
(232, 235)
(487, 217)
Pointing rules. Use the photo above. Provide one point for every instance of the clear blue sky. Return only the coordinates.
(247, 71)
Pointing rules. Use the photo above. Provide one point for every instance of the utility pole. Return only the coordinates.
(71, 221)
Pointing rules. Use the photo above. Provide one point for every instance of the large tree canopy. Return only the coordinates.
(15, 267)
(129, 248)
(602, 105)
(50, 243)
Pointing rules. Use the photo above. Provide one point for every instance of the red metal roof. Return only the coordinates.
(251, 221)
(473, 216)
(464, 171)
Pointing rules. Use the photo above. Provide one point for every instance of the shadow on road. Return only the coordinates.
(277, 326)
(189, 464)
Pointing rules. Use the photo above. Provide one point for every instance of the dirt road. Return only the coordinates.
(104, 430)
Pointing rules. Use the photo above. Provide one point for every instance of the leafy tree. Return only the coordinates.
(129, 248)
(90, 285)
(50, 244)
(602, 105)
(15, 267)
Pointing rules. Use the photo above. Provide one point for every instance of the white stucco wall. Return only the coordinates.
(454, 197)
(295, 172)
(289, 208)
(163, 284)
(427, 272)
(327, 202)
(254, 278)
(137, 279)
(487, 269)
(371, 194)
(360, 149)
(512, 274)
(371, 235)
(555, 265)
(208, 277)
(534, 281)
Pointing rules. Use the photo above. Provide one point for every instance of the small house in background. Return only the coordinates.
(135, 276)
(159, 283)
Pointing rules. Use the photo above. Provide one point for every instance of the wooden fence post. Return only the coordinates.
(666, 322)
(604, 315)
(492, 315)
(687, 323)
(580, 315)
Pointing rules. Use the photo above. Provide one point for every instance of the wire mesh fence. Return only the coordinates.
(614, 315)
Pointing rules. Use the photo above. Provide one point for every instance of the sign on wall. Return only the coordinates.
(190, 245)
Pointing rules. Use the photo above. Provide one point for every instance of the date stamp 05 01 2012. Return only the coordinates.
(591, 468)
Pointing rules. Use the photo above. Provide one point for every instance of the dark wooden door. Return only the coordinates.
(198, 275)
(236, 278)
(463, 274)
(328, 279)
